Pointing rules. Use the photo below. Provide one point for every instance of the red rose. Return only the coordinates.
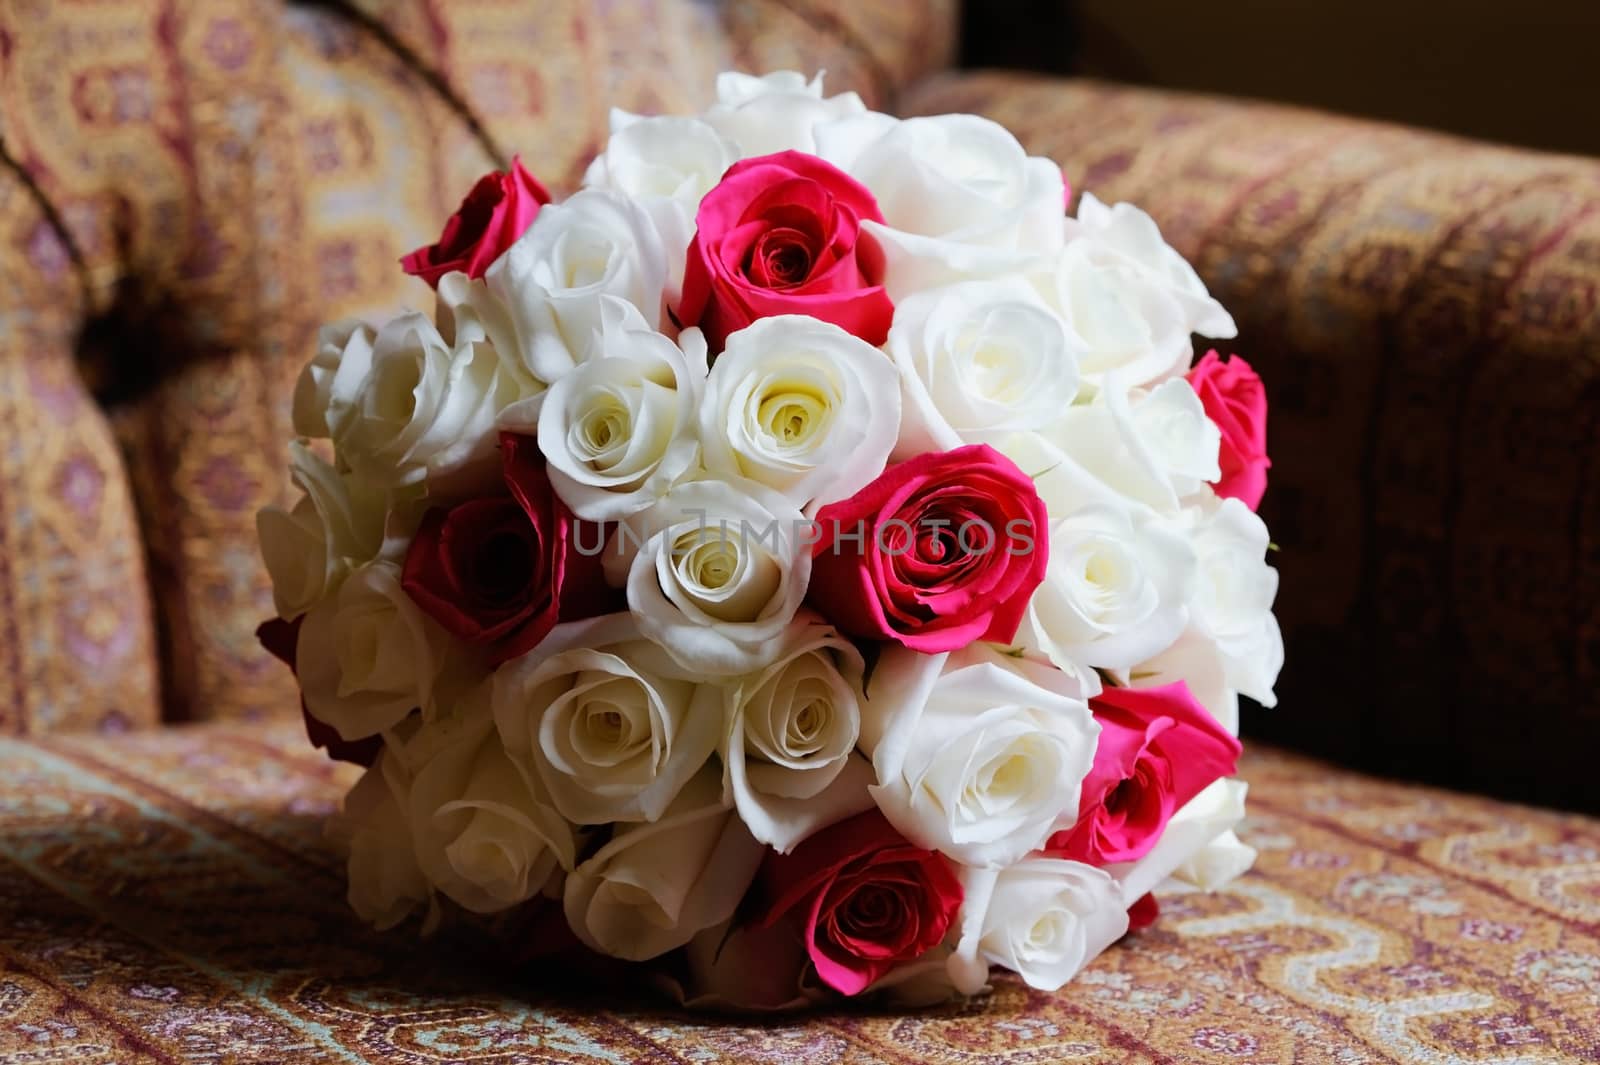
(498, 210)
(1143, 913)
(937, 552)
(781, 235)
(1158, 749)
(868, 900)
(1234, 398)
(502, 570)
(280, 638)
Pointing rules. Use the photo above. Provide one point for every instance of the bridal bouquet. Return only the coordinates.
(805, 558)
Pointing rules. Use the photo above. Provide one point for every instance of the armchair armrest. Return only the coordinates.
(1426, 314)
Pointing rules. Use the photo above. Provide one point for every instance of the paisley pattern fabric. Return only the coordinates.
(169, 897)
(233, 173)
(1426, 315)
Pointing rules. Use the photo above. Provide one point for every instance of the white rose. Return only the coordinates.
(599, 242)
(425, 411)
(1116, 590)
(978, 754)
(655, 885)
(775, 113)
(1171, 423)
(620, 429)
(666, 164)
(1042, 918)
(1126, 235)
(366, 657)
(1125, 320)
(327, 386)
(1152, 448)
(960, 199)
(386, 883)
(1203, 820)
(801, 406)
(609, 730)
(468, 313)
(720, 574)
(1233, 599)
(337, 524)
(979, 361)
(841, 141)
(791, 730)
(485, 832)
(1216, 865)
(1193, 659)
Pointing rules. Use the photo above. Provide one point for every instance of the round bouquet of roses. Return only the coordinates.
(805, 560)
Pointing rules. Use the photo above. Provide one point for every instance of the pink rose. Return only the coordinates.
(781, 235)
(1234, 398)
(498, 210)
(1158, 749)
(937, 552)
(868, 901)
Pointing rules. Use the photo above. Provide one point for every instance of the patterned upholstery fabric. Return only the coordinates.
(233, 173)
(76, 642)
(1426, 314)
(169, 897)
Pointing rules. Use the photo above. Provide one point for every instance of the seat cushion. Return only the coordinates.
(170, 897)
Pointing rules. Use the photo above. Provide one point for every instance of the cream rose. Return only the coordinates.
(468, 314)
(337, 524)
(599, 713)
(775, 113)
(327, 386)
(597, 243)
(619, 429)
(787, 748)
(485, 832)
(425, 410)
(1042, 918)
(978, 754)
(655, 885)
(719, 570)
(801, 406)
(1116, 592)
(978, 362)
(367, 656)
(386, 883)
(739, 965)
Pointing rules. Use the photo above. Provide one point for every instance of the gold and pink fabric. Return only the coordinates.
(233, 173)
(189, 187)
(169, 897)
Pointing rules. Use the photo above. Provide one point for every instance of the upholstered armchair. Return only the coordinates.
(189, 187)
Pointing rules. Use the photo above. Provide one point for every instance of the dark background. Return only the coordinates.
(1516, 71)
